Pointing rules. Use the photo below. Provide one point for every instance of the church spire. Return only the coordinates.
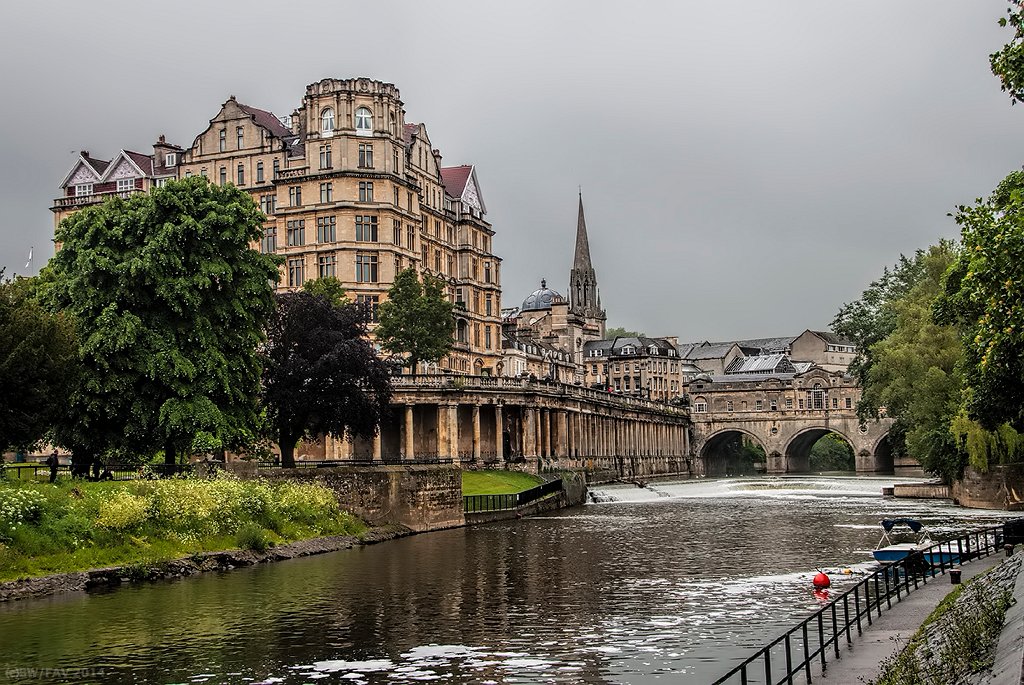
(582, 258)
(584, 300)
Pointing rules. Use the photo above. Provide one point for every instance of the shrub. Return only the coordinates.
(123, 511)
(252, 536)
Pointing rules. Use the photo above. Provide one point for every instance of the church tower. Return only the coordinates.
(584, 298)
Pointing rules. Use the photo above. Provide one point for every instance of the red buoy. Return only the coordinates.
(821, 581)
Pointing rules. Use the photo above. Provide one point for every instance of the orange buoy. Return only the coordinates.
(821, 581)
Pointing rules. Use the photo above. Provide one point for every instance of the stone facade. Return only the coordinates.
(644, 367)
(350, 190)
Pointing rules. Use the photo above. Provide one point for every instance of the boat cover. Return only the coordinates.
(888, 524)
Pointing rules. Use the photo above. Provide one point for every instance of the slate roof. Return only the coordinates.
(267, 120)
(613, 347)
(708, 350)
(753, 377)
(409, 132)
(833, 339)
(144, 162)
(98, 165)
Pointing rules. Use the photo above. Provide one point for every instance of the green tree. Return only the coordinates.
(321, 374)
(1008, 63)
(872, 318)
(620, 332)
(416, 320)
(171, 304)
(914, 374)
(984, 299)
(38, 365)
(328, 287)
(832, 453)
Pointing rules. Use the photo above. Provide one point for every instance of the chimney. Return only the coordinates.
(85, 153)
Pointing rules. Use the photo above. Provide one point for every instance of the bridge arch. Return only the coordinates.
(719, 453)
(797, 451)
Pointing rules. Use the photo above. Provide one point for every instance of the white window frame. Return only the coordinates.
(125, 185)
(83, 189)
(327, 121)
(170, 159)
(364, 121)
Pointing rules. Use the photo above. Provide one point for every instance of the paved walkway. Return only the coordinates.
(860, 662)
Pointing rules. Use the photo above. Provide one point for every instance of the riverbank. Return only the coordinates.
(205, 562)
(78, 526)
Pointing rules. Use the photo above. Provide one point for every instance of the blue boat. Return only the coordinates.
(887, 551)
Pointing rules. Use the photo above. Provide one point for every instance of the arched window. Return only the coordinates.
(700, 405)
(364, 120)
(327, 120)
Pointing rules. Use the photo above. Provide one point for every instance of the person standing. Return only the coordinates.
(53, 462)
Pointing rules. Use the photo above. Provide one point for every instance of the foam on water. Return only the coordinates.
(782, 487)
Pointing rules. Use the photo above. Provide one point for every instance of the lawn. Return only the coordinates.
(497, 482)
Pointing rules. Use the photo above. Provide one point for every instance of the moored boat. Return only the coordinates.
(887, 551)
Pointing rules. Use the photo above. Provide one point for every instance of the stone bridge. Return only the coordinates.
(786, 414)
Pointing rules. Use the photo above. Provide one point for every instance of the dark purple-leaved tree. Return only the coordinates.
(321, 375)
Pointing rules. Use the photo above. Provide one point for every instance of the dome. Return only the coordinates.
(540, 298)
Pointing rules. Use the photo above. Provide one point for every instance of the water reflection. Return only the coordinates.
(667, 584)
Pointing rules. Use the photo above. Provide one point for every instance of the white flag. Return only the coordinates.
(29, 262)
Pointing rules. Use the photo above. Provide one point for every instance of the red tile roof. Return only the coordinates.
(98, 165)
(455, 178)
(409, 132)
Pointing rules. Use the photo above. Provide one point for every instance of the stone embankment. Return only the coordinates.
(188, 566)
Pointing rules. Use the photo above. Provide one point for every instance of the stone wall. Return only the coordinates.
(1001, 488)
(922, 491)
(421, 498)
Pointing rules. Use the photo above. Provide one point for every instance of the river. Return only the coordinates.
(669, 584)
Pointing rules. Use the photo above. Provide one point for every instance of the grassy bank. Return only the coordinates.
(78, 525)
(497, 482)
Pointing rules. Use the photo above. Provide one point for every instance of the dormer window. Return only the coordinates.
(170, 159)
(652, 349)
(364, 121)
(628, 349)
(327, 121)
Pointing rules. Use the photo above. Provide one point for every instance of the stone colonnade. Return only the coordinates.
(514, 423)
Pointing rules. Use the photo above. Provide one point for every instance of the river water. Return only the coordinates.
(674, 583)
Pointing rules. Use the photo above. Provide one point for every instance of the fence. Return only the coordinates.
(41, 472)
(795, 652)
(360, 461)
(472, 504)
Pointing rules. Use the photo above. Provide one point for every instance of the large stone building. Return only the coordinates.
(350, 190)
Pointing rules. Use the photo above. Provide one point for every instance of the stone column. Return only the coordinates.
(529, 441)
(562, 449)
(499, 431)
(408, 435)
(545, 427)
(476, 434)
(453, 432)
(377, 446)
(443, 443)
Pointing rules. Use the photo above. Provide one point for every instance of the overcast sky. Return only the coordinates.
(747, 167)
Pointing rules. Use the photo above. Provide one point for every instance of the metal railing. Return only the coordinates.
(796, 651)
(472, 504)
(41, 472)
(386, 460)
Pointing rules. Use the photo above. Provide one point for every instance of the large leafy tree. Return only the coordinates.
(914, 373)
(1008, 62)
(984, 299)
(417, 319)
(321, 375)
(620, 332)
(38, 365)
(171, 304)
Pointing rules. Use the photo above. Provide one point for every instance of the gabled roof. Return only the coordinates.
(96, 166)
(143, 163)
(409, 132)
(455, 178)
(266, 119)
(710, 350)
(831, 338)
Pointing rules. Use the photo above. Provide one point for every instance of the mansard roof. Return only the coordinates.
(614, 346)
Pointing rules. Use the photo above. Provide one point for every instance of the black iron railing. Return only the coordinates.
(41, 472)
(795, 652)
(472, 504)
(359, 461)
